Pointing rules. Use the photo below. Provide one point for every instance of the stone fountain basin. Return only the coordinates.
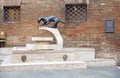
(77, 58)
(36, 56)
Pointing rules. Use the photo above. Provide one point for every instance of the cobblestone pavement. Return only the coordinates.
(96, 72)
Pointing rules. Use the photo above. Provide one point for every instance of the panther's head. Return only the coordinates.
(38, 20)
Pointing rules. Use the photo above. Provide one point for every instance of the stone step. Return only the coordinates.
(44, 66)
(57, 65)
(100, 62)
(5, 51)
(42, 39)
(40, 47)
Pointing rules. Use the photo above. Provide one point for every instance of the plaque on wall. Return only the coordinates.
(23, 58)
(65, 57)
(109, 25)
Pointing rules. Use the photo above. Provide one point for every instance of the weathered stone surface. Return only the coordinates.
(87, 34)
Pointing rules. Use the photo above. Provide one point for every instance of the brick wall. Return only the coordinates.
(88, 34)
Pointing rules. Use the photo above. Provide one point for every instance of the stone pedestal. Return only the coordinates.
(40, 47)
(42, 40)
(41, 43)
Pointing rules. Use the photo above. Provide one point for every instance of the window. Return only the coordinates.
(109, 25)
(76, 12)
(11, 14)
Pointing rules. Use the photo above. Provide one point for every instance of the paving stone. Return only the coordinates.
(96, 72)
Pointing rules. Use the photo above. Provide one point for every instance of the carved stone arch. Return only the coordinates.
(57, 35)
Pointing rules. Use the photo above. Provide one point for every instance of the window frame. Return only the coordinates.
(12, 8)
(74, 19)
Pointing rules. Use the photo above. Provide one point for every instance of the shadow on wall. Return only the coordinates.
(2, 38)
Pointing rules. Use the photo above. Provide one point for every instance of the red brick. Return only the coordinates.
(91, 31)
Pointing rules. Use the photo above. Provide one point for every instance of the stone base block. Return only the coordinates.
(6, 51)
(42, 39)
(19, 49)
(45, 66)
(40, 47)
(54, 55)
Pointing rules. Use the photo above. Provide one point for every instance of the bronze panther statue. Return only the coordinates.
(47, 20)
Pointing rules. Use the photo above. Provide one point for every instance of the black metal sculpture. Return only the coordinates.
(47, 20)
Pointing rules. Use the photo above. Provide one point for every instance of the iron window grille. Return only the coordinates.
(11, 14)
(76, 12)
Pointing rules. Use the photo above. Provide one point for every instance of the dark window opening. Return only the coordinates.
(2, 44)
(76, 12)
(2, 38)
(11, 14)
(109, 25)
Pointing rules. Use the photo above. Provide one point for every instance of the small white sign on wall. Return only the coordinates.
(1, 33)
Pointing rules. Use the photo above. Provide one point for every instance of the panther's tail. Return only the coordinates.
(62, 22)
